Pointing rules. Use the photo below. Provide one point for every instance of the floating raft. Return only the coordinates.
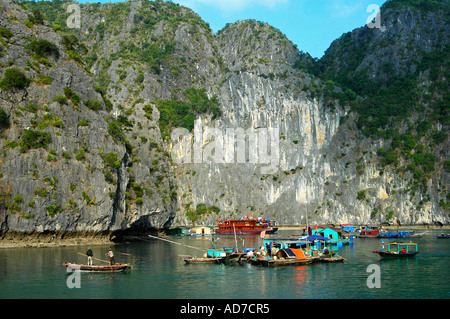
(291, 256)
(98, 268)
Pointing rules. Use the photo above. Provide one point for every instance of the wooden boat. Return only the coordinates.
(329, 259)
(284, 257)
(234, 257)
(201, 260)
(399, 250)
(281, 262)
(246, 226)
(368, 232)
(97, 268)
(400, 234)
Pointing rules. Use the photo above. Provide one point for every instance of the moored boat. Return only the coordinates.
(97, 268)
(248, 225)
(201, 260)
(368, 232)
(399, 250)
(281, 262)
(400, 234)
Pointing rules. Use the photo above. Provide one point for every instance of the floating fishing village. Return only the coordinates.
(198, 149)
(315, 244)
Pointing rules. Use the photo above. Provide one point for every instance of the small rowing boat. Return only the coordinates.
(399, 250)
(280, 262)
(329, 259)
(97, 268)
(201, 260)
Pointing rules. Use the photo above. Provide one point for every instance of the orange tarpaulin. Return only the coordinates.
(298, 253)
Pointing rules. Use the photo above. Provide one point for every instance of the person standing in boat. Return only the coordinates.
(89, 255)
(110, 254)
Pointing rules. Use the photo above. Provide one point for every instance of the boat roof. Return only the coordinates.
(288, 240)
(323, 227)
(403, 244)
(244, 218)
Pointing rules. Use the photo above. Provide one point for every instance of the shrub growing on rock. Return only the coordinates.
(14, 79)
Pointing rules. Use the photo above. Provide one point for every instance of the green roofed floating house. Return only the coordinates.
(179, 231)
(336, 236)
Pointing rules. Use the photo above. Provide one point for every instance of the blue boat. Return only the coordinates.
(400, 234)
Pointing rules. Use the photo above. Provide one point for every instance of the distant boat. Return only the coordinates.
(97, 268)
(400, 234)
(399, 250)
(246, 226)
(443, 236)
(369, 232)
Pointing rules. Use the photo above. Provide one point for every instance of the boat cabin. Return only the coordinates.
(284, 243)
(348, 227)
(399, 248)
(369, 231)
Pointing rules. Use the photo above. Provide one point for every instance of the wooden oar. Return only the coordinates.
(93, 258)
(123, 254)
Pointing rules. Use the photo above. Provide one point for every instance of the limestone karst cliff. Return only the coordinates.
(87, 115)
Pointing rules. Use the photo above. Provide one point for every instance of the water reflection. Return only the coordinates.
(157, 273)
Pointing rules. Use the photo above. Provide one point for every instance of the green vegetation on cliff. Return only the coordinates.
(176, 113)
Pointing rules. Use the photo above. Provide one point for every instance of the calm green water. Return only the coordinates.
(157, 273)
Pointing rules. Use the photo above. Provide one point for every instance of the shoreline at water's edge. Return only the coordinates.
(413, 227)
(40, 240)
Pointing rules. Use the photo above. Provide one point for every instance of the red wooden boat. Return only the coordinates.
(369, 232)
(97, 268)
(245, 226)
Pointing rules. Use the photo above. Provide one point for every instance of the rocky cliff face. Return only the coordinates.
(286, 144)
(68, 164)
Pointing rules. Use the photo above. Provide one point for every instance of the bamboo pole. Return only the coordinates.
(173, 242)
(93, 257)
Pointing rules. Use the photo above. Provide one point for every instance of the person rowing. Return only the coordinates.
(89, 255)
(110, 254)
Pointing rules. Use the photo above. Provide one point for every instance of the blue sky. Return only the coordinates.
(311, 24)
